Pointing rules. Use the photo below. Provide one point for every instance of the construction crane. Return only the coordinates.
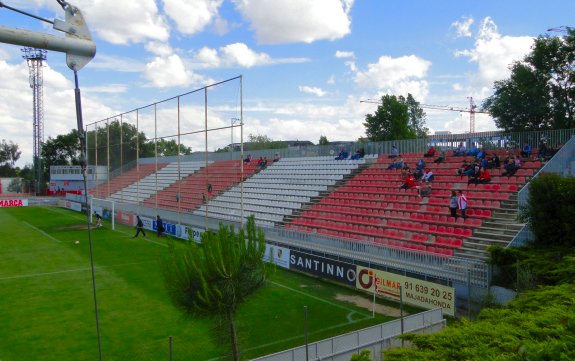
(472, 110)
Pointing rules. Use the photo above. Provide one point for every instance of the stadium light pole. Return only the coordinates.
(232, 122)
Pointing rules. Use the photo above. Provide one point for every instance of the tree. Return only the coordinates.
(123, 142)
(416, 116)
(9, 155)
(395, 118)
(258, 141)
(540, 92)
(323, 140)
(215, 277)
(164, 148)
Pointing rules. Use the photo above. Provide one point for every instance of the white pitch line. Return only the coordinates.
(41, 231)
(32, 275)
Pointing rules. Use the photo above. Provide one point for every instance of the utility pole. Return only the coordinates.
(34, 58)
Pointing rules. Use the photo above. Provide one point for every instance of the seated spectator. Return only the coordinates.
(430, 152)
(210, 189)
(474, 175)
(511, 167)
(428, 176)
(526, 151)
(248, 159)
(482, 162)
(543, 151)
(276, 157)
(420, 165)
(397, 164)
(425, 190)
(394, 152)
(409, 183)
(263, 162)
(460, 151)
(342, 155)
(484, 176)
(480, 154)
(405, 171)
(473, 151)
(440, 158)
(360, 153)
(418, 174)
(494, 162)
(465, 169)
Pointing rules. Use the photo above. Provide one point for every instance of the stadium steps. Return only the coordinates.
(314, 200)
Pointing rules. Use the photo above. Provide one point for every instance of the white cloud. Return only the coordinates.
(462, 28)
(289, 21)
(124, 22)
(237, 55)
(192, 16)
(493, 54)
(312, 90)
(396, 76)
(171, 71)
(116, 63)
(344, 54)
(331, 80)
(159, 48)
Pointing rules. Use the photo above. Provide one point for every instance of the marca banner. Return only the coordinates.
(414, 291)
(323, 267)
(4, 203)
(176, 230)
(277, 255)
(75, 206)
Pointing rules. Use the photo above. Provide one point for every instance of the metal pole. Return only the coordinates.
(469, 294)
(171, 354)
(401, 310)
(305, 332)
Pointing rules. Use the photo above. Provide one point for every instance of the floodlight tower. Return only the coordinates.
(34, 58)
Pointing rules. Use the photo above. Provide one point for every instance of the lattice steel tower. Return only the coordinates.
(34, 58)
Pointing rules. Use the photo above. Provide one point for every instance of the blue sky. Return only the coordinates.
(306, 64)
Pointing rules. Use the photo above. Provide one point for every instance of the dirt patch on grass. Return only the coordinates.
(368, 305)
(74, 227)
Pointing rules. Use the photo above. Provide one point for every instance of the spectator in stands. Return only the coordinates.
(178, 197)
(423, 191)
(542, 151)
(440, 158)
(473, 151)
(482, 162)
(460, 151)
(462, 203)
(409, 183)
(484, 176)
(511, 167)
(494, 162)
(480, 154)
(342, 155)
(394, 152)
(397, 164)
(453, 204)
(210, 189)
(526, 151)
(360, 153)
(430, 152)
(473, 176)
(276, 157)
(420, 164)
(139, 227)
(159, 226)
(263, 162)
(466, 169)
(248, 159)
(405, 171)
(203, 198)
(428, 176)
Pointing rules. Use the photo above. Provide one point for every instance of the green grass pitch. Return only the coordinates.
(47, 309)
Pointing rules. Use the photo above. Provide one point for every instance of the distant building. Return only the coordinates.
(442, 132)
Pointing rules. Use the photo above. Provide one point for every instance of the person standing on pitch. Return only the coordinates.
(139, 227)
(159, 226)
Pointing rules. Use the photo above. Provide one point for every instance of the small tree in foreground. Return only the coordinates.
(215, 277)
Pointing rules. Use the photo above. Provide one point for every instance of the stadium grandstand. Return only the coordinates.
(351, 210)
